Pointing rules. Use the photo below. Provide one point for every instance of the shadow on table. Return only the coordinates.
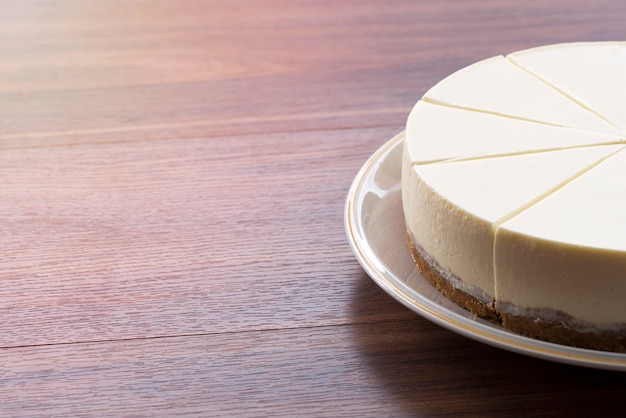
(429, 370)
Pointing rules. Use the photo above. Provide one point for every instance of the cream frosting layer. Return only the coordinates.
(516, 184)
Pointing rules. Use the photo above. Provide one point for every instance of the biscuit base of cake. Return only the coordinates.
(432, 272)
(564, 330)
(560, 332)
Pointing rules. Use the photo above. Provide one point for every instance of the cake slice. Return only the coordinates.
(560, 264)
(592, 74)
(436, 133)
(455, 207)
(498, 86)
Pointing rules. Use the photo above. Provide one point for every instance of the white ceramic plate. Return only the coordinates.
(374, 223)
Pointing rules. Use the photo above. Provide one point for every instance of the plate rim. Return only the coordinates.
(486, 333)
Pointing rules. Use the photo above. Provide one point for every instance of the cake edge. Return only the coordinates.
(431, 272)
(557, 332)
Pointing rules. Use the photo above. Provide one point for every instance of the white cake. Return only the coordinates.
(514, 191)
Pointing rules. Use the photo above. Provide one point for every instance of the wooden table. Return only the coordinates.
(173, 183)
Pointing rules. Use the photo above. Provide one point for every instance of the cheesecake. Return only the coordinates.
(514, 191)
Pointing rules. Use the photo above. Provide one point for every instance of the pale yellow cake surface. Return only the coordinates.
(514, 184)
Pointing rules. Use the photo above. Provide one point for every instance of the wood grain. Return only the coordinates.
(404, 368)
(173, 177)
(77, 72)
(103, 239)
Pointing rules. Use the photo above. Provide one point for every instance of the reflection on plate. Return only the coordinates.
(375, 226)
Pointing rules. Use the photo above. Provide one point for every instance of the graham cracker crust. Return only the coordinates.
(458, 296)
(554, 331)
(559, 333)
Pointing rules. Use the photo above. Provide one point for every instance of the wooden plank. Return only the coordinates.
(136, 239)
(401, 368)
(173, 178)
(194, 68)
